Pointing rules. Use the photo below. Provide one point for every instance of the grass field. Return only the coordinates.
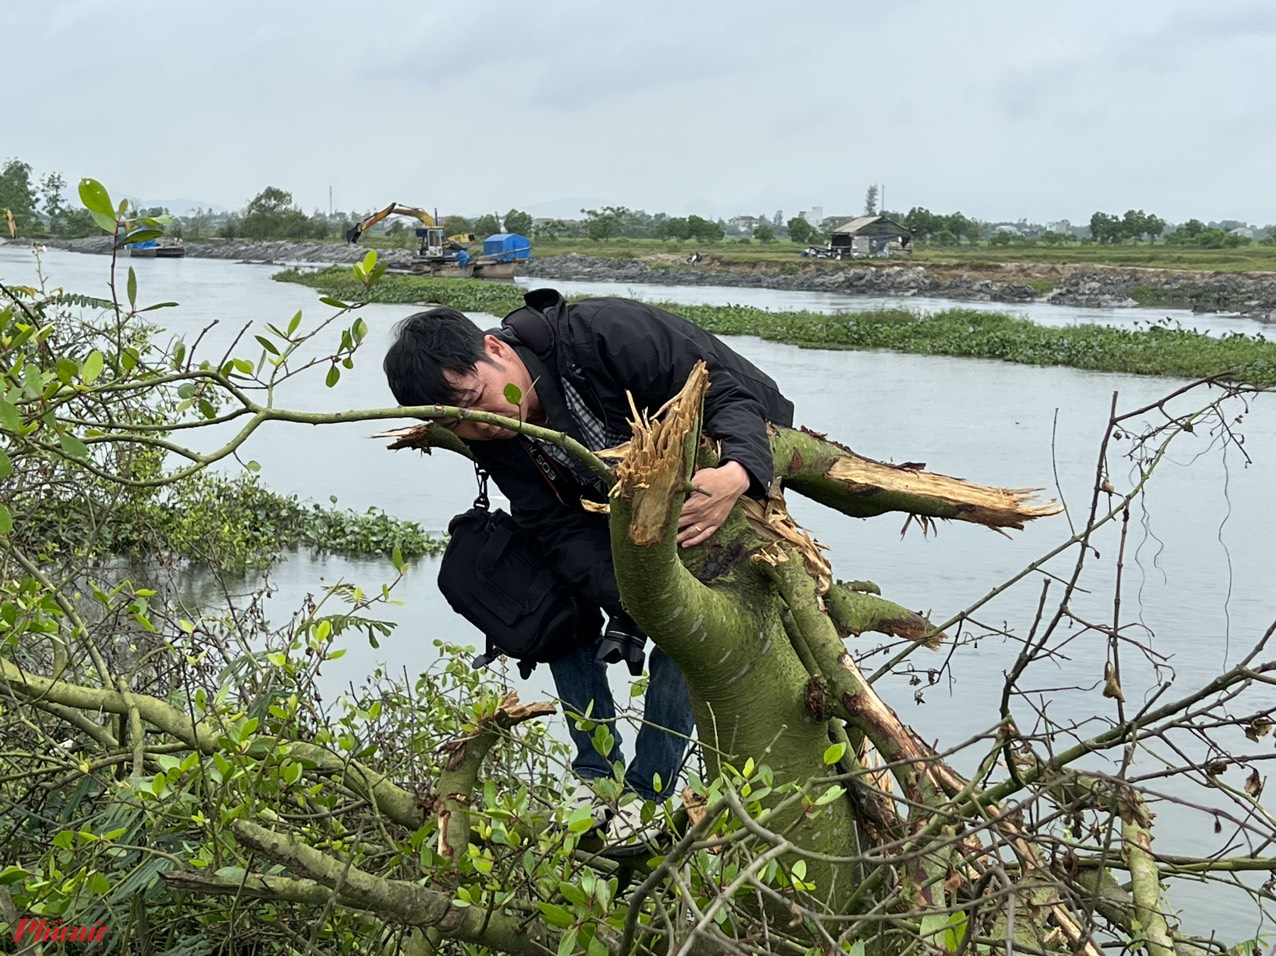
(1160, 350)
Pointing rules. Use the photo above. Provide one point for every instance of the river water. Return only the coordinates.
(1197, 565)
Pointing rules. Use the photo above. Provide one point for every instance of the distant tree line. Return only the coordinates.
(39, 207)
(1196, 233)
(1133, 226)
(941, 230)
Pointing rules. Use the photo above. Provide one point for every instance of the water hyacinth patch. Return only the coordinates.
(1162, 349)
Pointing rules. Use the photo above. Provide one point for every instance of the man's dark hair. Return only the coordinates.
(427, 344)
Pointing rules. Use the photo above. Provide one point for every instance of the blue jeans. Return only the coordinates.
(662, 738)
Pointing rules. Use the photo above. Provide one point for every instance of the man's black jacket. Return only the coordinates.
(604, 348)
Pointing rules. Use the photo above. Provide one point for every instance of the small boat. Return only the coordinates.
(157, 249)
(503, 255)
(434, 267)
(493, 269)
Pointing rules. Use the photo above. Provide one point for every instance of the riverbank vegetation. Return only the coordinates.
(228, 524)
(1157, 349)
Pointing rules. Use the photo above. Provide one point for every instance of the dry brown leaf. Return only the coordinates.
(1111, 686)
(1258, 728)
(1254, 784)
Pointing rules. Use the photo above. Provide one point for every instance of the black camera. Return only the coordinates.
(622, 641)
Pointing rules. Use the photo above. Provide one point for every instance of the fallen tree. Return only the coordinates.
(177, 776)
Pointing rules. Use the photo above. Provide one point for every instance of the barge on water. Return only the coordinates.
(157, 249)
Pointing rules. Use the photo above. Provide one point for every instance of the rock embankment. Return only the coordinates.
(1252, 295)
(1088, 287)
(1084, 287)
(863, 280)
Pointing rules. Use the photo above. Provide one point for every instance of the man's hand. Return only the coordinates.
(703, 513)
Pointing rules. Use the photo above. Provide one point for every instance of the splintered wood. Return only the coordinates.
(771, 519)
(653, 475)
(981, 504)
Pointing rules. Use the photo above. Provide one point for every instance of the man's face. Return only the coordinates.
(484, 390)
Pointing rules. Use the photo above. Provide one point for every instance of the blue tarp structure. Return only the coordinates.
(507, 246)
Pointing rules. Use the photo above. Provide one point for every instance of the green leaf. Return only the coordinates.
(9, 417)
(573, 894)
(96, 199)
(291, 773)
(370, 260)
(295, 323)
(268, 345)
(513, 394)
(567, 945)
(158, 305)
(555, 915)
(73, 446)
(139, 235)
(335, 303)
(99, 885)
(6, 466)
(932, 925)
(955, 932)
(834, 753)
(105, 223)
(132, 288)
(253, 465)
(829, 795)
(11, 874)
(92, 366)
(64, 840)
(334, 376)
(6, 520)
(396, 555)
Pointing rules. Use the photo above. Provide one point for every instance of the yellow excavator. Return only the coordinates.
(438, 252)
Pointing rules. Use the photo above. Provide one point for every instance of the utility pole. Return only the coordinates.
(881, 201)
(329, 202)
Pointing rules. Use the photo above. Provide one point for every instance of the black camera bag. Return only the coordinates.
(494, 577)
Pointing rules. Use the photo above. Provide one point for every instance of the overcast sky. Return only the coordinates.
(1000, 109)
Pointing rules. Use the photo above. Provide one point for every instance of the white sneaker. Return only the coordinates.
(583, 796)
(627, 828)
